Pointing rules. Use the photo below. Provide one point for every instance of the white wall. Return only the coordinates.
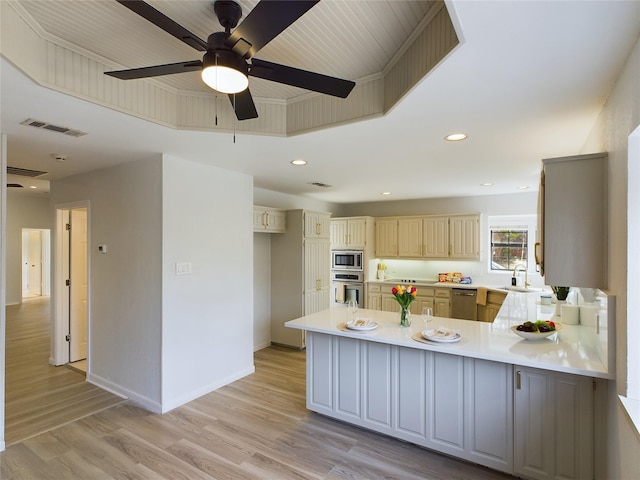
(125, 285)
(618, 119)
(23, 211)
(261, 290)
(207, 316)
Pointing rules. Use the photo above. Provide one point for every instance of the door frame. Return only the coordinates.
(60, 300)
(45, 249)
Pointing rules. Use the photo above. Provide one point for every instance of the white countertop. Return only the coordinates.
(573, 349)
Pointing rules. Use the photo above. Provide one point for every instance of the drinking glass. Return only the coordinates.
(352, 306)
(427, 315)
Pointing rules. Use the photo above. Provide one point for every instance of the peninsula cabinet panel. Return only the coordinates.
(489, 413)
(349, 379)
(553, 415)
(445, 404)
(411, 393)
(320, 373)
(377, 385)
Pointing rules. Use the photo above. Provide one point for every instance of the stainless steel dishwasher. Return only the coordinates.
(463, 303)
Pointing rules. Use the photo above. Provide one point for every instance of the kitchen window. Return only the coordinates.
(511, 241)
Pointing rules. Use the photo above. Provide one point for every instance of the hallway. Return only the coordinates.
(39, 396)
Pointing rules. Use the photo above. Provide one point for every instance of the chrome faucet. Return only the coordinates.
(519, 267)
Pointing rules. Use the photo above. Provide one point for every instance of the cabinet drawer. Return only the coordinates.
(443, 293)
(374, 288)
(425, 292)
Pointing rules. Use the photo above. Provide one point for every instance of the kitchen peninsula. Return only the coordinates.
(522, 407)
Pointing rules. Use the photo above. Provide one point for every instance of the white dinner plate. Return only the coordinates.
(441, 336)
(362, 325)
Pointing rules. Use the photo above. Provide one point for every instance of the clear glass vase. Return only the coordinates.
(405, 317)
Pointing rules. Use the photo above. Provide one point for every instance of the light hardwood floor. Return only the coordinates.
(39, 396)
(255, 428)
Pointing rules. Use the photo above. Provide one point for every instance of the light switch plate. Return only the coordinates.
(183, 268)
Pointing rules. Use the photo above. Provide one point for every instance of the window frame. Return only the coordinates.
(527, 222)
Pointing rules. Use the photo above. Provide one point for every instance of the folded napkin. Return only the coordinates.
(443, 332)
(361, 322)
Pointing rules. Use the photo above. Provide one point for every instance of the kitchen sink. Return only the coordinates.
(521, 289)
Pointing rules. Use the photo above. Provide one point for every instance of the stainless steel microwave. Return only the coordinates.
(346, 260)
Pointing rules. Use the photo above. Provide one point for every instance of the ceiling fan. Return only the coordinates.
(224, 66)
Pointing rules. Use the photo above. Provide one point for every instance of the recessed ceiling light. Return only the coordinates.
(455, 137)
(33, 186)
(385, 193)
(298, 163)
(486, 184)
(524, 187)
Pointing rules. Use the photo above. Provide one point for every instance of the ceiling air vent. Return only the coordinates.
(30, 122)
(319, 184)
(14, 185)
(24, 172)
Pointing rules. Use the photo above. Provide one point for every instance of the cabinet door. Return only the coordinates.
(489, 413)
(389, 303)
(421, 302)
(553, 425)
(442, 307)
(374, 301)
(386, 237)
(445, 403)
(275, 221)
(410, 237)
(464, 237)
(320, 372)
(357, 233)
(317, 225)
(377, 385)
(339, 235)
(258, 219)
(577, 185)
(435, 237)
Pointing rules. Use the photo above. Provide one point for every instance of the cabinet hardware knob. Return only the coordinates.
(518, 380)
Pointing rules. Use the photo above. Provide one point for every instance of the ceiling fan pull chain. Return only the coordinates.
(234, 121)
(215, 110)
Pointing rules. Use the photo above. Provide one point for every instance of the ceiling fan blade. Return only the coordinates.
(266, 21)
(301, 78)
(244, 106)
(156, 70)
(158, 18)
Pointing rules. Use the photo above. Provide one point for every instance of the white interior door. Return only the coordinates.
(78, 268)
(34, 282)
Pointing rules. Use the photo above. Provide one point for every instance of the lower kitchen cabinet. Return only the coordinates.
(553, 425)
(533, 423)
(374, 297)
(432, 399)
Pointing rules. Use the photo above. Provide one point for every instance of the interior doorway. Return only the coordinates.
(36, 262)
(71, 325)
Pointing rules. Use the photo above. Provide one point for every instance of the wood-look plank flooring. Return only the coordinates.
(255, 428)
(39, 396)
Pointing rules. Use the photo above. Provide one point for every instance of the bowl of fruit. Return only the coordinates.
(537, 330)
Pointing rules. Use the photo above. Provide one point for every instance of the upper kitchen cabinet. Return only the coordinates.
(464, 237)
(572, 230)
(386, 237)
(317, 224)
(269, 220)
(353, 233)
(454, 237)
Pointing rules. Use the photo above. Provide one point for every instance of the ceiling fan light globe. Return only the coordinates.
(225, 79)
